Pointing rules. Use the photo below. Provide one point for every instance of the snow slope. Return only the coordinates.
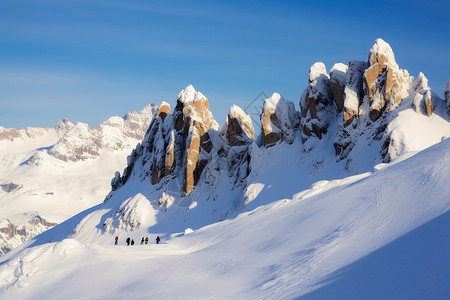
(49, 174)
(376, 235)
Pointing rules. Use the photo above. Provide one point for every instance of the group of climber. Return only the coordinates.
(131, 241)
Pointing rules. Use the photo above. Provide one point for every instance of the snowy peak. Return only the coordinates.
(81, 143)
(385, 84)
(24, 134)
(190, 95)
(175, 143)
(316, 106)
(279, 120)
(193, 106)
(49, 174)
(362, 113)
(364, 97)
(164, 110)
(64, 125)
(239, 127)
(381, 53)
(338, 78)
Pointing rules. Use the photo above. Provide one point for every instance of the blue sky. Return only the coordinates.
(89, 60)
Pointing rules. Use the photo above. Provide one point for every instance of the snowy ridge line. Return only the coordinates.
(49, 174)
(355, 106)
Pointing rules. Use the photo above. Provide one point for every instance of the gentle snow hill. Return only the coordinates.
(49, 174)
(372, 236)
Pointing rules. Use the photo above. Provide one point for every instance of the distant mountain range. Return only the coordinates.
(49, 174)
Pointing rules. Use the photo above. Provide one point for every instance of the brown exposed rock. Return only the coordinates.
(155, 175)
(163, 111)
(428, 104)
(348, 116)
(269, 137)
(316, 105)
(9, 134)
(383, 80)
(371, 76)
(191, 159)
(206, 143)
(338, 95)
(234, 131)
(393, 84)
(423, 101)
(338, 78)
(239, 127)
(193, 119)
(354, 90)
(278, 120)
(169, 165)
(378, 58)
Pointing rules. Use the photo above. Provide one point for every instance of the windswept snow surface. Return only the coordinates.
(377, 235)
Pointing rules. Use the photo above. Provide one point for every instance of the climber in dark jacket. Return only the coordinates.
(128, 241)
(142, 241)
(146, 240)
(157, 239)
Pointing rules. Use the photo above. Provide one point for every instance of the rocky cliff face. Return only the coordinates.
(385, 85)
(174, 143)
(237, 135)
(317, 105)
(351, 105)
(363, 96)
(279, 120)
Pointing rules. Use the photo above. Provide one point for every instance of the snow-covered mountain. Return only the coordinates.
(351, 119)
(332, 201)
(49, 174)
(377, 235)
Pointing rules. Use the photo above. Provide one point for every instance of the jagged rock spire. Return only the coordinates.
(278, 120)
(316, 104)
(175, 141)
(338, 78)
(356, 98)
(239, 127)
(238, 135)
(383, 80)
